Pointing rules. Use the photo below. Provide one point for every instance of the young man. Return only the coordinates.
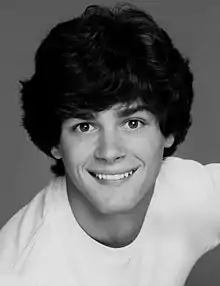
(120, 210)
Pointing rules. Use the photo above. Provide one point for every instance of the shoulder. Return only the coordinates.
(178, 163)
(192, 172)
(213, 170)
(196, 188)
(193, 191)
(184, 171)
(192, 184)
(17, 233)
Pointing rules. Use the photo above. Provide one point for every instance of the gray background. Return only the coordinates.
(194, 28)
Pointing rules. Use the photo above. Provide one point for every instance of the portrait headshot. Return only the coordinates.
(115, 203)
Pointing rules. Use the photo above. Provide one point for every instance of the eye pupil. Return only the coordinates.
(133, 122)
(83, 124)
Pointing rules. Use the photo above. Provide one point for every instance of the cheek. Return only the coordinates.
(150, 146)
(74, 153)
(152, 155)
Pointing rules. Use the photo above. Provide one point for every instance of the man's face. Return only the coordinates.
(108, 144)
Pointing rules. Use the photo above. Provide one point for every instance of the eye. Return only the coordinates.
(85, 125)
(135, 123)
(83, 130)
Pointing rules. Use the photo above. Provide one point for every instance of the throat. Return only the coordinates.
(117, 237)
(116, 243)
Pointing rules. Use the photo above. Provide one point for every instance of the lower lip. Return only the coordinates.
(113, 182)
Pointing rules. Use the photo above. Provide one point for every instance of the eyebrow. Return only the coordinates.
(86, 114)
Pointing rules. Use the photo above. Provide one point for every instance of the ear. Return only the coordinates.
(169, 141)
(56, 153)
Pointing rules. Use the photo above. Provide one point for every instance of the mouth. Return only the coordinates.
(113, 180)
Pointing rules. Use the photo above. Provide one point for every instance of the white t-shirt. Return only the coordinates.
(43, 245)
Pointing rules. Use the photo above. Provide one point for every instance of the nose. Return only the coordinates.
(110, 148)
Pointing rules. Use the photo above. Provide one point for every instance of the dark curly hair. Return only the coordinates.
(104, 57)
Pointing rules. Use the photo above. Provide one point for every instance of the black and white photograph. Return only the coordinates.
(116, 203)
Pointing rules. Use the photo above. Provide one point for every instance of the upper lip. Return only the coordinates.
(112, 172)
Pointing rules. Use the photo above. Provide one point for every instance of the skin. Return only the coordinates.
(112, 215)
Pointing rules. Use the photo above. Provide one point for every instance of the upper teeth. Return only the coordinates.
(114, 177)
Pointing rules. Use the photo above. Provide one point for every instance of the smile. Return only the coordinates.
(115, 179)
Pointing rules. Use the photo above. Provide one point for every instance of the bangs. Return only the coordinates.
(106, 93)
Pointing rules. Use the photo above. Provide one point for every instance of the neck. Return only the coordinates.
(115, 229)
